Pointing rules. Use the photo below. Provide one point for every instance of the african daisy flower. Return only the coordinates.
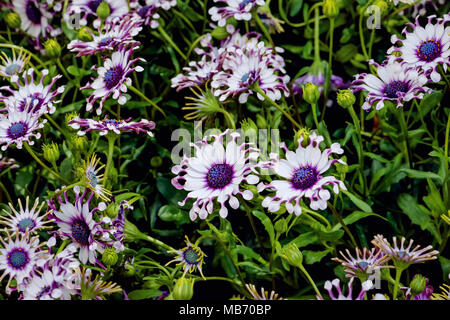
(191, 257)
(17, 127)
(86, 8)
(10, 68)
(303, 172)
(215, 173)
(76, 222)
(404, 254)
(366, 286)
(19, 256)
(42, 97)
(26, 218)
(147, 13)
(111, 125)
(93, 180)
(364, 264)
(240, 10)
(91, 288)
(110, 36)
(113, 77)
(395, 82)
(35, 16)
(7, 163)
(263, 295)
(425, 48)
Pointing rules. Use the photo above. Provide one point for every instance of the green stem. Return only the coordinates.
(170, 41)
(398, 273)
(285, 18)
(228, 118)
(63, 70)
(344, 226)
(140, 94)
(287, 115)
(357, 125)
(2, 186)
(327, 223)
(157, 242)
(446, 186)
(263, 28)
(302, 268)
(314, 112)
(404, 128)
(31, 152)
(109, 159)
(329, 73)
(12, 46)
(252, 223)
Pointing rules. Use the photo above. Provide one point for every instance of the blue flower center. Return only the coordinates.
(363, 265)
(36, 103)
(219, 176)
(44, 291)
(93, 179)
(105, 41)
(26, 223)
(142, 12)
(113, 76)
(429, 50)
(244, 3)
(33, 13)
(248, 78)
(191, 256)
(12, 69)
(393, 87)
(93, 5)
(18, 259)
(17, 130)
(81, 232)
(304, 178)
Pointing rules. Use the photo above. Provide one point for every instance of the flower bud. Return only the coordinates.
(303, 132)
(292, 254)
(112, 210)
(220, 33)
(80, 143)
(311, 93)
(84, 34)
(183, 289)
(261, 122)
(281, 225)
(345, 98)
(382, 5)
(103, 10)
(130, 270)
(110, 257)
(330, 9)
(13, 20)
(52, 48)
(418, 284)
(156, 162)
(248, 126)
(51, 152)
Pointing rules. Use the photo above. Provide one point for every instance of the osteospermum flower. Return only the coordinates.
(110, 36)
(26, 218)
(190, 257)
(7, 163)
(238, 9)
(425, 48)
(75, 222)
(86, 8)
(147, 13)
(303, 171)
(11, 67)
(42, 97)
(263, 295)
(395, 82)
(404, 254)
(215, 173)
(17, 127)
(366, 286)
(35, 16)
(92, 288)
(111, 125)
(364, 264)
(113, 77)
(94, 180)
(19, 256)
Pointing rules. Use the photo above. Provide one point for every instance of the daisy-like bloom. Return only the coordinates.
(215, 173)
(147, 13)
(115, 234)
(10, 68)
(425, 48)
(7, 163)
(303, 171)
(404, 255)
(113, 77)
(75, 222)
(86, 8)
(245, 67)
(35, 16)
(92, 288)
(42, 97)
(191, 257)
(366, 286)
(364, 264)
(17, 127)
(395, 82)
(26, 218)
(111, 125)
(19, 256)
(238, 9)
(93, 180)
(444, 295)
(264, 295)
(110, 36)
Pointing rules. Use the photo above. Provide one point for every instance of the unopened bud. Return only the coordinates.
(220, 33)
(103, 10)
(84, 34)
(13, 20)
(330, 9)
(156, 161)
(183, 289)
(281, 225)
(292, 254)
(51, 152)
(311, 93)
(418, 284)
(110, 257)
(80, 143)
(52, 48)
(112, 210)
(346, 98)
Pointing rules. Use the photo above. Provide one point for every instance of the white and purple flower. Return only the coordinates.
(12, 67)
(216, 173)
(111, 125)
(86, 8)
(303, 171)
(238, 9)
(366, 286)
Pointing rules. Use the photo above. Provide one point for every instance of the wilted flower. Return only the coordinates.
(264, 293)
(11, 68)
(191, 257)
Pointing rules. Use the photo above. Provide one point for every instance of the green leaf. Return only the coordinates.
(311, 257)
(358, 202)
(247, 252)
(445, 263)
(267, 224)
(415, 174)
(171, 213)
(144, 294)
(305, 238)
(429, 102)
(345, 53)
(296, 6)
(356, 216)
